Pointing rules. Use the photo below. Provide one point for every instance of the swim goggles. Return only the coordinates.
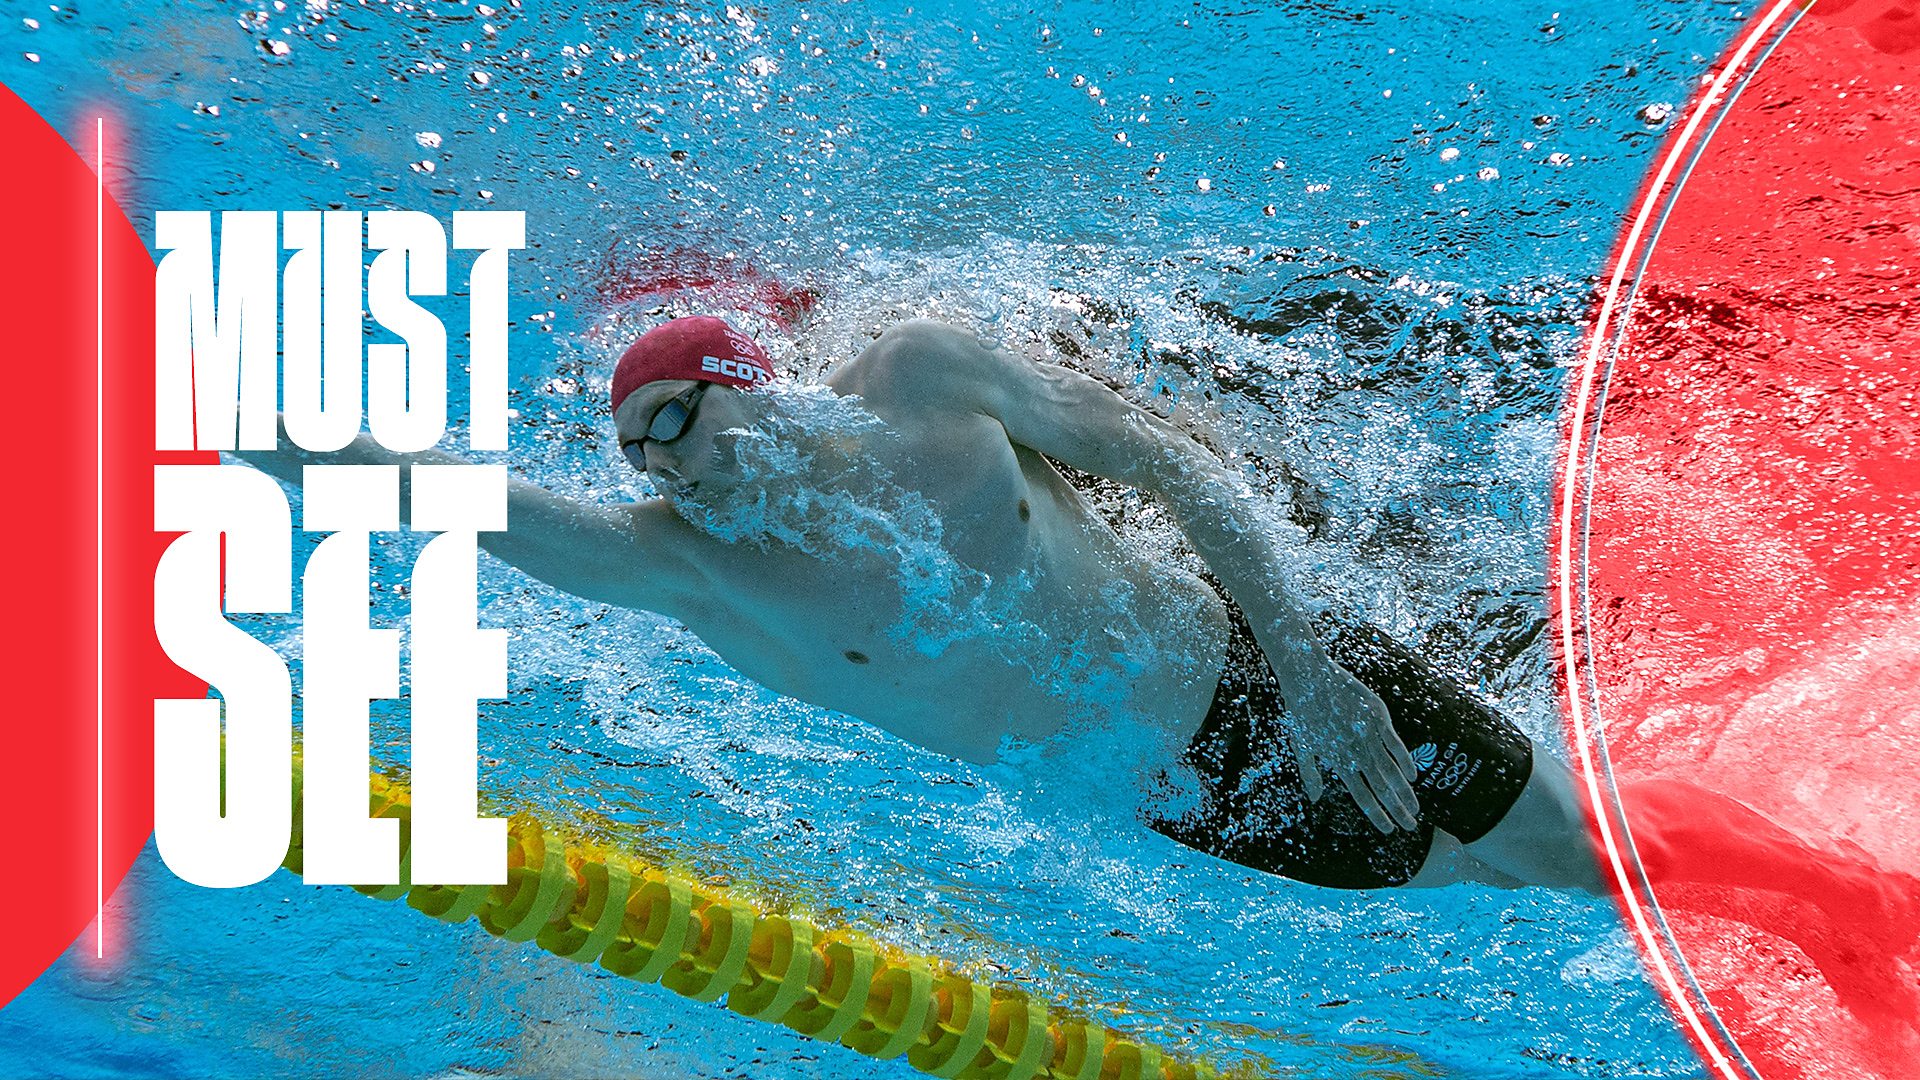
(669, 422)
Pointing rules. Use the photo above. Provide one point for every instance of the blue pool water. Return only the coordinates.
(1355, 238)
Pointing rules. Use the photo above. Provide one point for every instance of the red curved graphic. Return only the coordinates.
(1752, 575)
(80, 806)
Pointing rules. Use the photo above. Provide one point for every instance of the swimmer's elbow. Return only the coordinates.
(914, 336)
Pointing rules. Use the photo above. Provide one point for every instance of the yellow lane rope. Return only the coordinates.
(591, 905)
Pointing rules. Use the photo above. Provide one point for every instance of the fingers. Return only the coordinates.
(1310, 777)
(1378, 788)
(1369, 759)
(1382, 773)
(1369, 804)
(1397, 750)
(1388, 768)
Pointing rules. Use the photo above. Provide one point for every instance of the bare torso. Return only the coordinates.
(918, 564)
(932, 574)
(1037, 614)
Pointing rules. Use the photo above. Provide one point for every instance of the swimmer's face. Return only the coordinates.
(700, 453)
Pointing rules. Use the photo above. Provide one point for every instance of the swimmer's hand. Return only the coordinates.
(1344, 727)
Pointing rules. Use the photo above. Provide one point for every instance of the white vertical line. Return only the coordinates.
(99, 538)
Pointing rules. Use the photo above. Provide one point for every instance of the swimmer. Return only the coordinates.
(1433, 785)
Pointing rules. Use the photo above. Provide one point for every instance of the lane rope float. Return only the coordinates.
(586, 903)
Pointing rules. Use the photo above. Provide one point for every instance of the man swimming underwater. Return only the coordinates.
(796, 551)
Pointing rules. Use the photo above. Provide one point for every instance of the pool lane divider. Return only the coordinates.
(585, 903)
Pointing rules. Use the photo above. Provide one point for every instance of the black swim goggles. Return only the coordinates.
(670, 421)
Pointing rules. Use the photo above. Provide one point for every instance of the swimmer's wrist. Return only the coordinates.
(1295, 655)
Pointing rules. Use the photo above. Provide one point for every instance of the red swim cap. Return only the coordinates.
(695, 347)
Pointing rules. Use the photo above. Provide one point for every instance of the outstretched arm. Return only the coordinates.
(613, 554)
(1339, 724)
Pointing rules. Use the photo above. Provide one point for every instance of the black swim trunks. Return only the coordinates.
(1254, 810)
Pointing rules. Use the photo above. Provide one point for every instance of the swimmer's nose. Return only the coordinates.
(689, 458)
(661, 464)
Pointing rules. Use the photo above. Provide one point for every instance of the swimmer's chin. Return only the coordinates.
(681, 498)
(702, 513)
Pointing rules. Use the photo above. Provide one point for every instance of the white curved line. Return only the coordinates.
(1576, 438)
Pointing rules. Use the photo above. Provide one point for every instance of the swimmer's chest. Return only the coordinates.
(927, 669)
(930, 639)
(965, 513)
(972, 478)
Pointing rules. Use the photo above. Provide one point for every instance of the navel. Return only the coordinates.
(1026, 512)
(855, 657)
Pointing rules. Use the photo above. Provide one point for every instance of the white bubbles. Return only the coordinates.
(428, 139)
(1451, 153)
(807, 474)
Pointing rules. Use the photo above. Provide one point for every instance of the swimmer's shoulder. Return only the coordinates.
(920, 362)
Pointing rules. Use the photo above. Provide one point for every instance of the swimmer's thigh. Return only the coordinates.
(1543, 839)
(1261, 817)
(1450, 863)
(1473, 763)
